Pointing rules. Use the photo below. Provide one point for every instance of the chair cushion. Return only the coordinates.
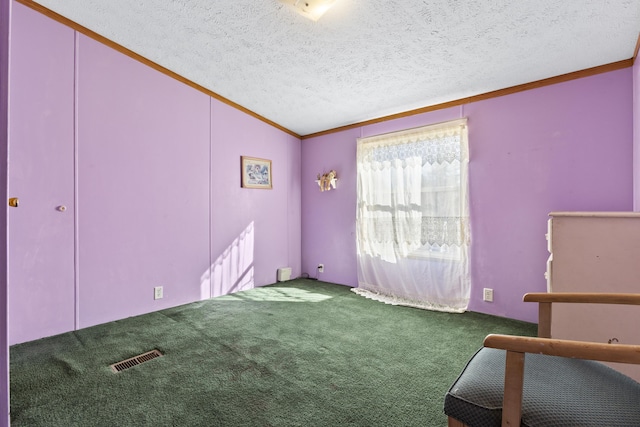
(557, 392)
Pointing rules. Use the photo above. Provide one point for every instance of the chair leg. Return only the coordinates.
(455, 423)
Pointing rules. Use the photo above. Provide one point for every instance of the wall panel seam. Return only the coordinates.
(76, 221)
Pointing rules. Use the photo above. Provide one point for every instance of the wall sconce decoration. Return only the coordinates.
(328, 180)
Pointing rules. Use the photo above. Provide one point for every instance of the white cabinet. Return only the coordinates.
(595, 252)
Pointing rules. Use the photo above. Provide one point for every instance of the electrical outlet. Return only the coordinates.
(157, 292)
(320, 268)
(488, 295)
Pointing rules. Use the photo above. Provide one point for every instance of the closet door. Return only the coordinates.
(41, 175)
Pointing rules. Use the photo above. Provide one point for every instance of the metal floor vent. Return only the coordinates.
(134, 361)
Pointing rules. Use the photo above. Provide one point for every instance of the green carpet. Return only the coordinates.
(300, 353)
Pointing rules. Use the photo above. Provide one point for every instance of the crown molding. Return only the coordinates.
(488, 95)
(92, 34)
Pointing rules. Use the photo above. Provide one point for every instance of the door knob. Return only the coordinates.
(13, 202)
(61, 208)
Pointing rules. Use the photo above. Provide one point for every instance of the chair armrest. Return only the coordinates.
(585, 298)
(517, 346)
(621, 353)
(544, 301)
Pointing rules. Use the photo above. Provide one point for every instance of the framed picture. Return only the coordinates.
(256, 173)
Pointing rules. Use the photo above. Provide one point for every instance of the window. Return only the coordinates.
(413, 229)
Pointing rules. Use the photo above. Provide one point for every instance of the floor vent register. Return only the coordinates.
(135, 361)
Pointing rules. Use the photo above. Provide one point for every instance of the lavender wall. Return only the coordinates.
(254, 231)
(41, 237)
(143, 187)
(328, 218)
(157, 187)
(5, 12)
(561, 147)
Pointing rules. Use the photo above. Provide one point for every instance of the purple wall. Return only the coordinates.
(328, 218)
(254, 231)
(5, 12)
(561, 147)
(636, 135)
(157, 186)
(143, 187)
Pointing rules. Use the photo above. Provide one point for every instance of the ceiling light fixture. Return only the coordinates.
(312, 9)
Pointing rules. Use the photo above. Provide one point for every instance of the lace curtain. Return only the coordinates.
(413, 217)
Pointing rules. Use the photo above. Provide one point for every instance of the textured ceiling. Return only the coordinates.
(364, 58)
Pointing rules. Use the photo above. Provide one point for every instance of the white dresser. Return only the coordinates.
(595, 252)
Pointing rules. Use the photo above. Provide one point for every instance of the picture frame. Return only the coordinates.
(256, 173)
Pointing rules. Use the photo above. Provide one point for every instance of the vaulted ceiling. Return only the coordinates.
(363, 59)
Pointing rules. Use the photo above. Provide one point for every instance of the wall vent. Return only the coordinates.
(134, 361)
(284, 274)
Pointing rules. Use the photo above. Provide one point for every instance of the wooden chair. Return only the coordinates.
(557, 383)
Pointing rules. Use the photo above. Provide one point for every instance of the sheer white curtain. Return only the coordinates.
(412, 221)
